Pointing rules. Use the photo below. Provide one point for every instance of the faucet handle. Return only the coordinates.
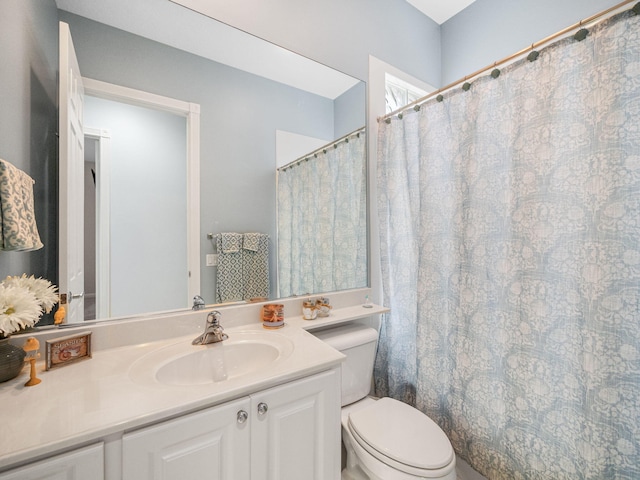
(213, 318)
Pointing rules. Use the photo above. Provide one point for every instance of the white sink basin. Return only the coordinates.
(181, 363)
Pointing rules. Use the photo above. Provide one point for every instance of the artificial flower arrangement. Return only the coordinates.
(23, 300)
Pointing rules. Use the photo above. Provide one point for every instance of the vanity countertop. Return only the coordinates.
(91, 399)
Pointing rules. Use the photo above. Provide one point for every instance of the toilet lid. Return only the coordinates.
(403, 434)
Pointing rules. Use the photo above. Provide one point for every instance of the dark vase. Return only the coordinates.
(11, 360)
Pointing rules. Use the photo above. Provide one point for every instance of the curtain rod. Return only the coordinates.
(314, 153)
(416, 103)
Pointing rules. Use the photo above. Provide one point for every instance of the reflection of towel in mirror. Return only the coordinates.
(255, 265)
(231, 242)
(229, 282)
(18, 229)
(251, 241)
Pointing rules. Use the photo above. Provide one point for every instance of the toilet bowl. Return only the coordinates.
(384, 439)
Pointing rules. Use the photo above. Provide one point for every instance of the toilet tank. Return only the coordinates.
(358, 343)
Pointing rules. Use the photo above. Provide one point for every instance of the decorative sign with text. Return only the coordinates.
(66, 350)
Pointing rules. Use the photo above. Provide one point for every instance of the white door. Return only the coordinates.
(295, 430)
(212, 444)
(71, 138)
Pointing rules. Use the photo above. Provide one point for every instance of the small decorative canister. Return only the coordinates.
(323, 306)
(11, 360)
(273, 315)
(309, 311)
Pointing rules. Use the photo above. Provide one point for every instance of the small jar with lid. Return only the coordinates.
(323, 307)
(309, 311)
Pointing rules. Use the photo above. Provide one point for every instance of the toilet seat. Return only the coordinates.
(401, 436)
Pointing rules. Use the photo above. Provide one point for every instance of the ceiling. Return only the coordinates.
(440, 10)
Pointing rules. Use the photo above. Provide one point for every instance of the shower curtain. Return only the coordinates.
(322, 228)
(510, 245)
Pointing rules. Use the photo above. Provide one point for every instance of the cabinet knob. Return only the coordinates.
(262, 408)
(242, 416)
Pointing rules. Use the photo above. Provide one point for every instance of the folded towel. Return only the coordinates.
(229, 281)
(252, 241)
(255, 266)
(18, 229)
(231, 242)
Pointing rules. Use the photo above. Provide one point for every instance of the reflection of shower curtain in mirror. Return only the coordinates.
(322, 221)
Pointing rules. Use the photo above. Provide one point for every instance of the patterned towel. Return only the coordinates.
(231, 242)
(18, 229)
(251, 241)
(229, 282)
(242, 274)
(255, 266)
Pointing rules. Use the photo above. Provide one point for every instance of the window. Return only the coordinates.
(399, 93)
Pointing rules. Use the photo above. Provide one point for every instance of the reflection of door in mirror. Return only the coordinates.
(71, 105)
(97, 192)
(145, 202)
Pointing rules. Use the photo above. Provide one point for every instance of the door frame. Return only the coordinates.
(103, 215)
(191, 111)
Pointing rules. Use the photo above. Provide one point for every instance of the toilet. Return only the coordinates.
(384, 439)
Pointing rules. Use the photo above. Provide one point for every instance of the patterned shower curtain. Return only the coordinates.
(322, 228)
(510, 238)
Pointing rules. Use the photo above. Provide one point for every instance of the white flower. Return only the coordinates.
(43, 290)
(19, 309)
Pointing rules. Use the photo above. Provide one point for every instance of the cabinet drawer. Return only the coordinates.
(81, 464)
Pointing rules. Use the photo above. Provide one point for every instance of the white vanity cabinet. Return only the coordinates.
(81, 464)
(295, 430)
(288, 432)
(210, 444)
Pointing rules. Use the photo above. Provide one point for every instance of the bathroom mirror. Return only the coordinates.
(252, 111)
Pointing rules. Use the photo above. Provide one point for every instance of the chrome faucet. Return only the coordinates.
(213, 331)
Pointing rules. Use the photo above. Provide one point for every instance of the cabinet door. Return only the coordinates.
(212, 444)
(295, 430)
(82, 464)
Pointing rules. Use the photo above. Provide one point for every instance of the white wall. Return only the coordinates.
(148, 205)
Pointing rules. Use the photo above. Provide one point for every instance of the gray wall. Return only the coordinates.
(489, 30)
(29, 119)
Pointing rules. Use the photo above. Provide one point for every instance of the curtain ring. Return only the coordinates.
(581, 34)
